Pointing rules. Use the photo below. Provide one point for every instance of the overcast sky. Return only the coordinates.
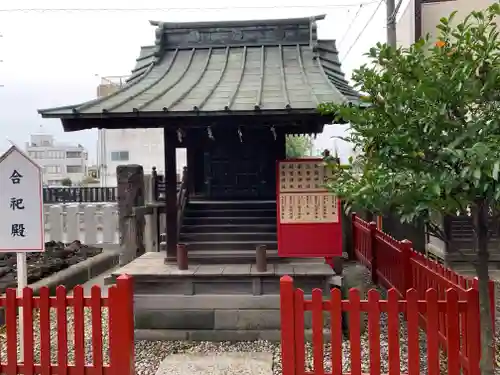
(55, 57)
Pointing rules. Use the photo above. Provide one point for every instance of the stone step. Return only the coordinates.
(231, 257)
(255, 237)
(231, 204)
(191, 212)
(229, 220)
(230, 245)
(228, 228)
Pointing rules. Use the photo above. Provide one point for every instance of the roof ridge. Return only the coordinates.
(228, 33)
(235, 23)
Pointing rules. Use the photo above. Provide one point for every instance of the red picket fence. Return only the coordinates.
(460, 320)
(395, 264)
(36, 310)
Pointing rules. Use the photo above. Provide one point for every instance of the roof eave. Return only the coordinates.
(164, 114)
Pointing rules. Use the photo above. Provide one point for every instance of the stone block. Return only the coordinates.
(219, 302)
(174, 319)
(247, 319)
(218, 335)
(161, 334)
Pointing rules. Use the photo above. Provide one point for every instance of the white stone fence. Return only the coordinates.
(92, 224)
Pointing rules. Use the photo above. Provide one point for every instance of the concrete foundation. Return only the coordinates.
(231, 302)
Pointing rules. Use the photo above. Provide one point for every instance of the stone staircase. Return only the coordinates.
(229, 231)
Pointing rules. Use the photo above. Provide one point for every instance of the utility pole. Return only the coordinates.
(391, 22)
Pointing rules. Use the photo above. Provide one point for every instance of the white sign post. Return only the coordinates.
(21, 220)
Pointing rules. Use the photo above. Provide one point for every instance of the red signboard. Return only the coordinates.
(309, 217)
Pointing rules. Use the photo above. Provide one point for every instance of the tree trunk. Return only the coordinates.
(481, 225)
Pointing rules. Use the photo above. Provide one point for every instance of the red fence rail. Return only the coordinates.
(36, 317)
(460, 320)
(395, 264)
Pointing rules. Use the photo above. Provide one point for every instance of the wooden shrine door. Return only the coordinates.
(241, 170)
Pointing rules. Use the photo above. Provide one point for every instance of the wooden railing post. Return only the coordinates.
(373, 252)
(352, 254)
(407, 279)
(491, 289)
(287, 312)
(473, 332)
(125, 320)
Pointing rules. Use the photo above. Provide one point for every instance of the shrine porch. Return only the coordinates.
(215, 302)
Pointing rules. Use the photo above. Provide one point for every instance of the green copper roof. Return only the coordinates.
(239, 66)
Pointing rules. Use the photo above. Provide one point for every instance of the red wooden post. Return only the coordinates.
(412, 317)
(393, 327)
(432, 332)
(473, 340)
(317, 331)
(62, 330)
(126, 319)
(491, 289)
(336, 330)
(374, 331)
(96, 317)
(373, 251)
(79, 328)
(452, 332)
(27, 317)
(406, 252)
(352, 254)
(355, 331)
(11, 304)
(287, 310)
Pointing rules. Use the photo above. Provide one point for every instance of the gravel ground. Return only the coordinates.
(149, 354)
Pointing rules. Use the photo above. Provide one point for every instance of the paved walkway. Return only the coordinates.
(98, 280)
(215, 364)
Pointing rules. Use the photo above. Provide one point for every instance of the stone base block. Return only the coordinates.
(273, 335)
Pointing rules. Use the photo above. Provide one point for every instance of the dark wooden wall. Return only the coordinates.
(460, 231)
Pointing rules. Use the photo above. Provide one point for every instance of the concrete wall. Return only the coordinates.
(432, 12)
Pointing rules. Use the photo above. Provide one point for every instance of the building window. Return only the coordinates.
(74, 169)
(73, 154)
(56, 154)
(36, 154)
(52, 169)
(119, 156)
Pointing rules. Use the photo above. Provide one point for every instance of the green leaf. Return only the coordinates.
(496, 170)
(477, 174)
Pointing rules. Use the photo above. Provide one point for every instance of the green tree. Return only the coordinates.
(66, 182)
(298, 146)
(430, 136)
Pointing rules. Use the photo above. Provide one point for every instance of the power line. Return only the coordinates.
(350, 25)
(396, 10)
(88, 10)
(363, 30)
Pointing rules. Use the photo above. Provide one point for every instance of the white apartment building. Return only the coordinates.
(129, 146)
(59, 161)
(420, 17)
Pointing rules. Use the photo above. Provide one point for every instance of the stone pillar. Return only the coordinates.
(130, 181)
